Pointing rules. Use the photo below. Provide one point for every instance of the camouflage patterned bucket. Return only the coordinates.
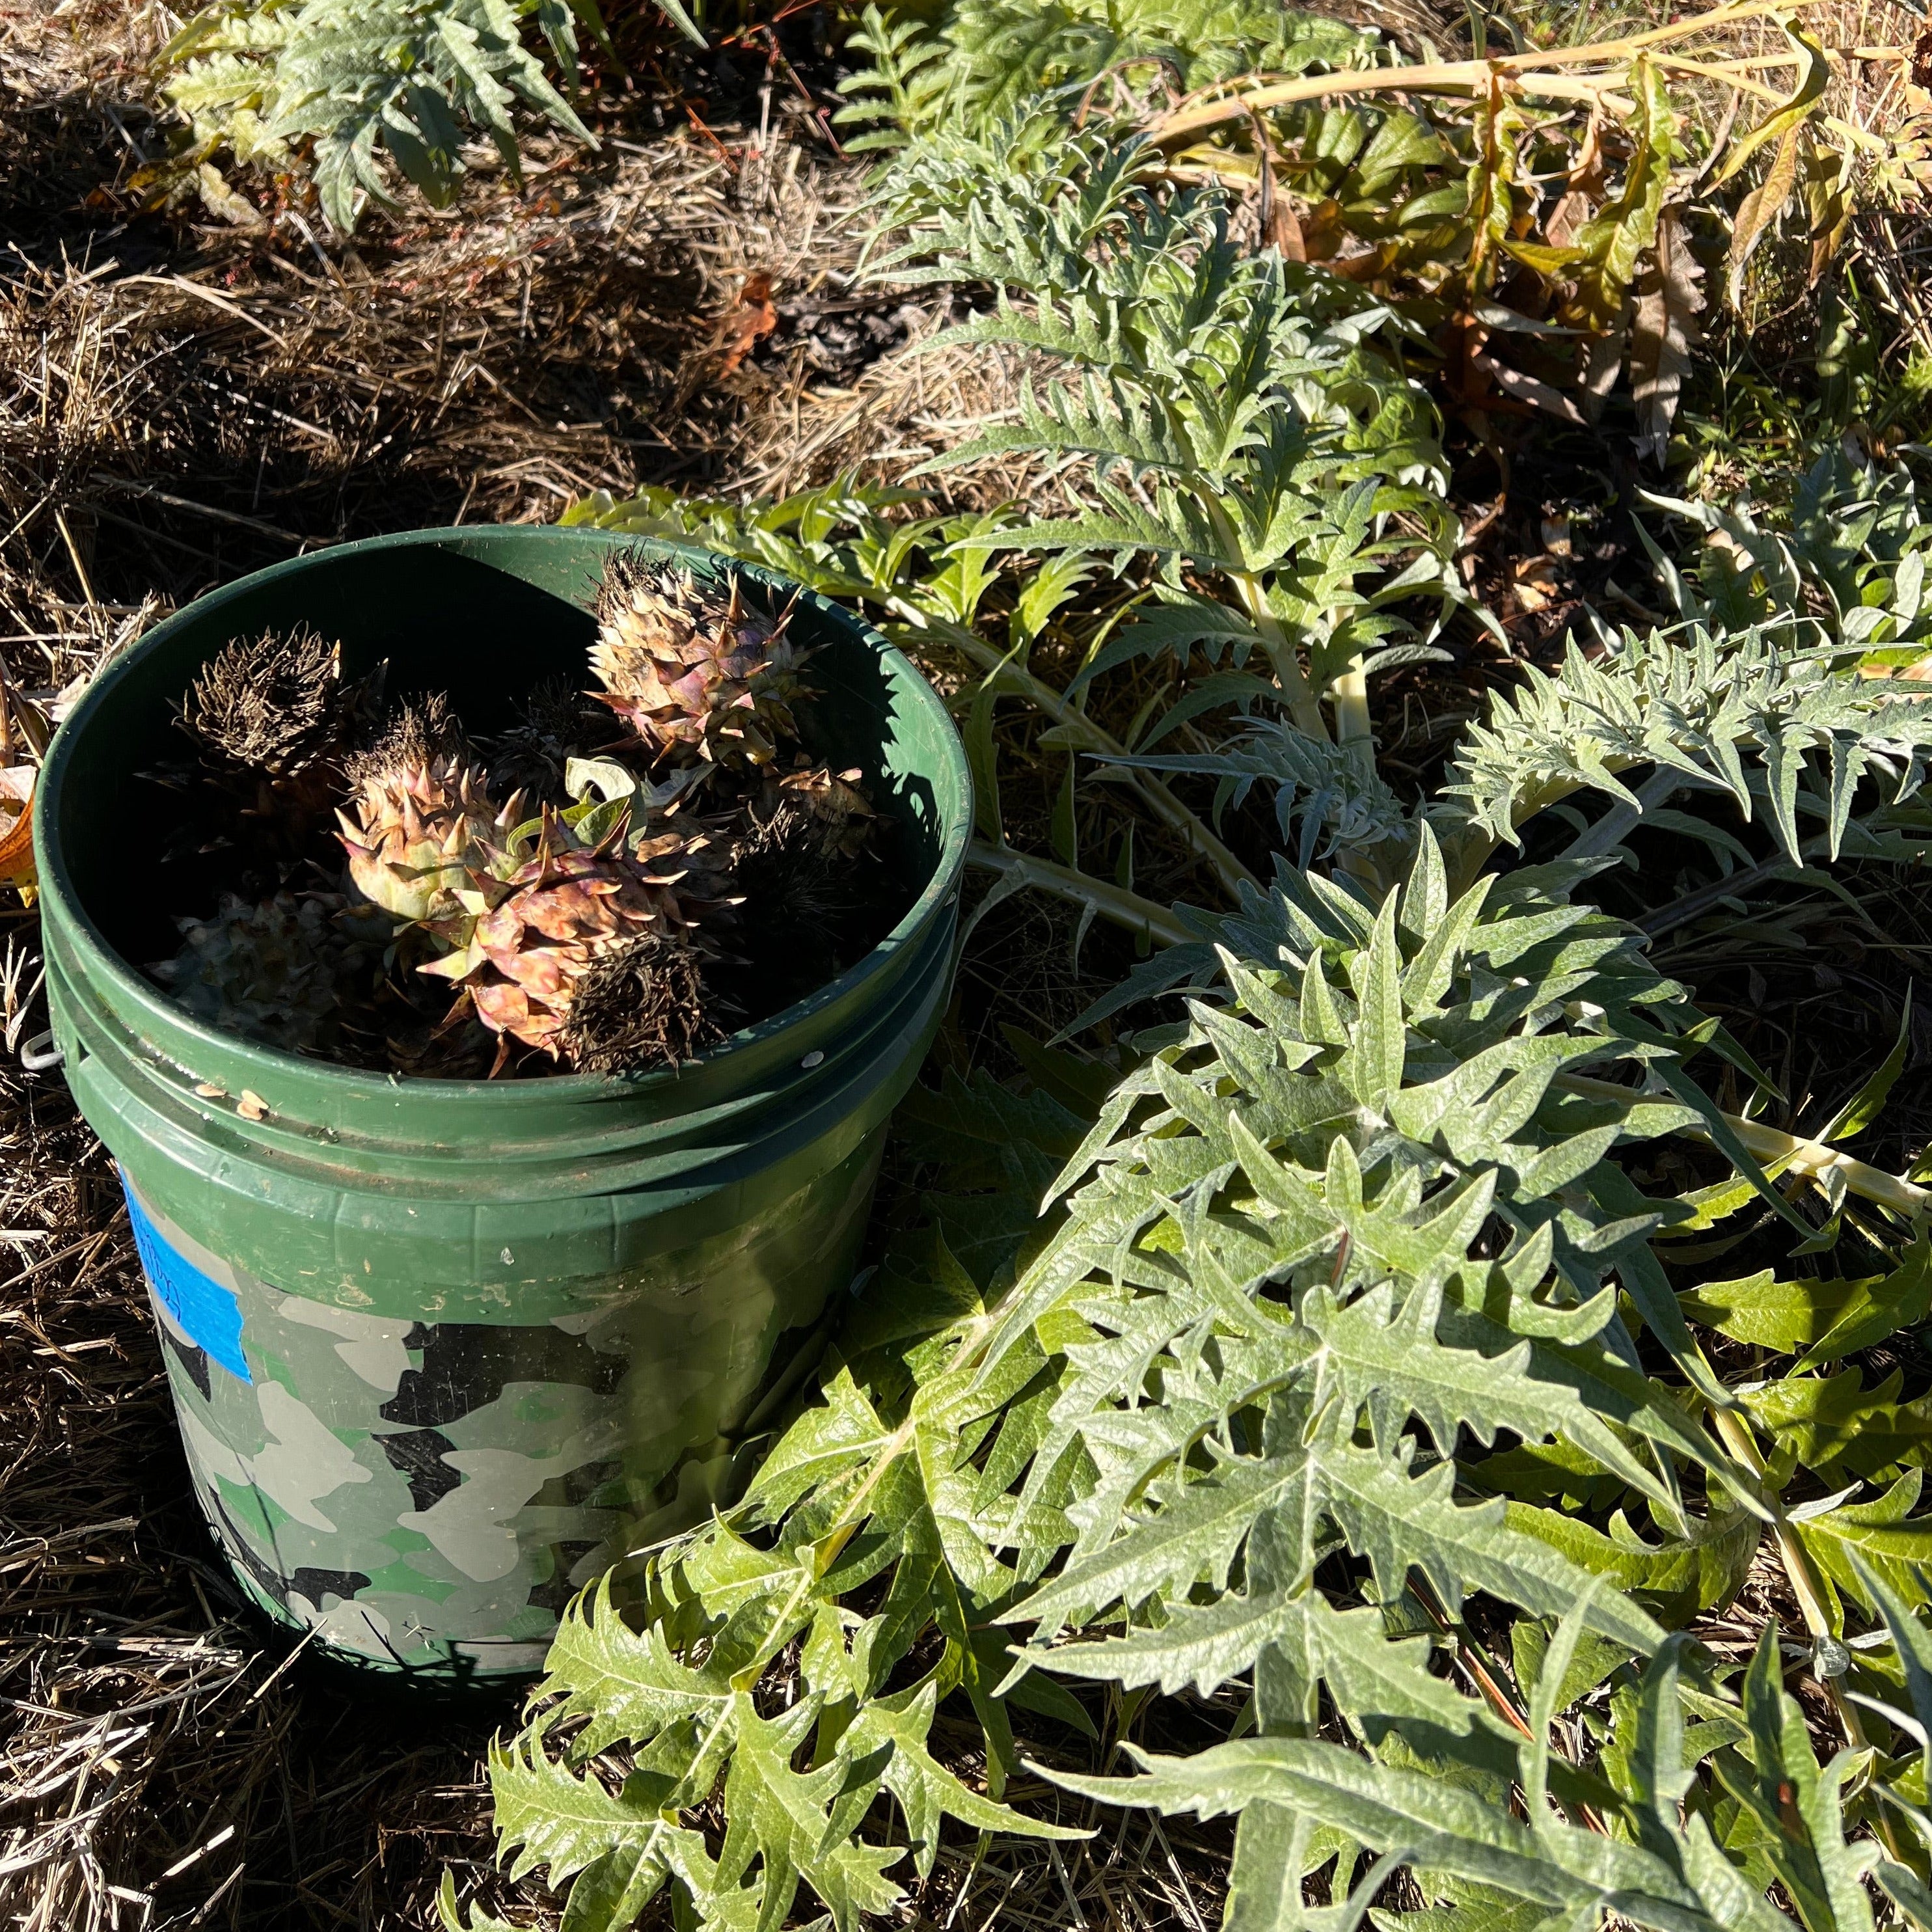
(443, 1350)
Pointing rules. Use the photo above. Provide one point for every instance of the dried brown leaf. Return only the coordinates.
(1827, 197)
(1760, 209)
(751, 315)
(1539, 395)
(1663, 331)
(1585, 191)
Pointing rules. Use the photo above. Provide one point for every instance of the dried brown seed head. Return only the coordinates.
(275, 704)
(640, 1005)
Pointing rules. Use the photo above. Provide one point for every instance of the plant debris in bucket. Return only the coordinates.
(607, 886)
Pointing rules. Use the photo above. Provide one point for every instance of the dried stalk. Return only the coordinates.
(1528, 73)
(1797, 1155)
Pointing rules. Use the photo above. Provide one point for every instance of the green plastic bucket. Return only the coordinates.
(443, 1350)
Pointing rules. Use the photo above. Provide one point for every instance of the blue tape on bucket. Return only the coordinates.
(207, 1313)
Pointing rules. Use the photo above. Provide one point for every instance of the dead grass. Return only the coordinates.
(181, 399)
(161, 1762)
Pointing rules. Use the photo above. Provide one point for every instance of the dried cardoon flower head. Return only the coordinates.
(833, 813)
(555, 723)
(420, 815)
(276, 705)
(640, 1005)
(540, 911)
(277, 972)
(693, 669)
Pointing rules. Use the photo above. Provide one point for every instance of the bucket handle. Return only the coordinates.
(41, 1053)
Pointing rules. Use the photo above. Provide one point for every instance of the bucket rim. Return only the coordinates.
(94, 956)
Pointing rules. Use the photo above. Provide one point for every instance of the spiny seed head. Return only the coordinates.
(555, 723)
(276, 704)
(541, 911)
(272, 972)
(423, 732)
(793, 859)
(640, 1005)
(693, 669)
(841, 816)
(421, 814)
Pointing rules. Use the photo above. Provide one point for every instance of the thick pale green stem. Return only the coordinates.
(1302, 705)
(1473, 849)
(1816, 1158)
(1620, 820)
(1695, 905)
(1079, 731)
(1352, 731)
(1354, 734)
(1112, 903)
